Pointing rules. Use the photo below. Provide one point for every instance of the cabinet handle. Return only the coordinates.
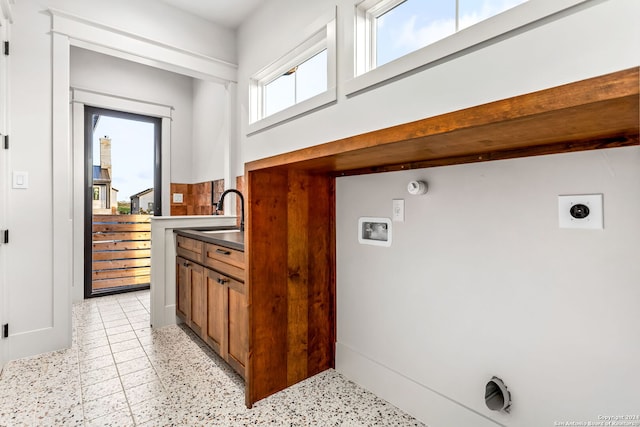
(222, 281)
(186, 264)
(223, 252)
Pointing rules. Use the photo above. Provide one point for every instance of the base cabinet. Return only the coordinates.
(211, 299)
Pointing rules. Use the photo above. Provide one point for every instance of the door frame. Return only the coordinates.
(89, 112)
(81, 99)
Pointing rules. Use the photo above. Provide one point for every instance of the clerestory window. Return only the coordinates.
(302, 80)
(390, 29)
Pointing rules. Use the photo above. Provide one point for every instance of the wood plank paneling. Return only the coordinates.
(298, 276)
(322, 280)
(268, 291)
(291, 296)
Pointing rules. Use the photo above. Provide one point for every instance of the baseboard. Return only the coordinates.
(417, 400)
(31, 343)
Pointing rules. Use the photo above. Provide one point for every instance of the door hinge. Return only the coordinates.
(5, 236)
(6, 48)
(5, 141)
(5, 330)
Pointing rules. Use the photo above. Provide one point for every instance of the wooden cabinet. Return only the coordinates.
(227, 320)
(211, 297)
(191, 294)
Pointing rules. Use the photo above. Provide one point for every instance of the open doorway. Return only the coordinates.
(122, 192)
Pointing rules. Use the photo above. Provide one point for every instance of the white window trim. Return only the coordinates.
(502, 23)
(322, 39)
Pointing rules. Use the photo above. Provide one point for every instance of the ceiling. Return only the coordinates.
(228, 13)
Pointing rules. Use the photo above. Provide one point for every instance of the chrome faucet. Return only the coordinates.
(220, 204)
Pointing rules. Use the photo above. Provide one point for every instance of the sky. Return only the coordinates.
(417, 23)
(131, 154)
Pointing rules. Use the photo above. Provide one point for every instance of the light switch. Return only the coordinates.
(398, 210)
(20, 180)
(177, 198)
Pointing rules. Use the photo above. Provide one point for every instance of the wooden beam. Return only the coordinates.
(596, 109)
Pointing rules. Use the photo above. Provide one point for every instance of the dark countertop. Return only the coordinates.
(230, 239)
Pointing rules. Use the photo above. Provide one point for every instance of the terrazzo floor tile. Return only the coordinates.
(103, 388)
(105, 405)
(129, 366)
(120, 372)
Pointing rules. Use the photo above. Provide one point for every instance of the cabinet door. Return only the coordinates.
(215, 311)
(198, 300)
(183, 300)
(238, 326)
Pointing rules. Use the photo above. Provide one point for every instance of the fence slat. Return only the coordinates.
(122, 272)
(126, 235)
(126, 281)
(121, 263)
(112, 255)
(121, 250)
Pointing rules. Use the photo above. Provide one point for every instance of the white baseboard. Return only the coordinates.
(417, 400)
(35, 342)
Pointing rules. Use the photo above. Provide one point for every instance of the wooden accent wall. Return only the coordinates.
(196, 197)
(291, 296)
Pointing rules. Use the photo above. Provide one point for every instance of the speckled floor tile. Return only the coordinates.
(129, 366)
(138, 378)
(101, 389)
(105, 405)
(121, 418)
(120, 372)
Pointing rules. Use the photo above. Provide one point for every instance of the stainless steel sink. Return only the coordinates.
(220, 231)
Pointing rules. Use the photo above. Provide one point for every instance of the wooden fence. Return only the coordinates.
(121, 251)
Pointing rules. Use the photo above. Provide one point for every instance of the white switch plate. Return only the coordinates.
(398, 210)
(593, 220)
(20, 179)
(177, 198)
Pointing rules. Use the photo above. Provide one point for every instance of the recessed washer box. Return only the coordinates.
(581, 211)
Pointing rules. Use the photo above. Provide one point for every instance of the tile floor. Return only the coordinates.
(120, 372)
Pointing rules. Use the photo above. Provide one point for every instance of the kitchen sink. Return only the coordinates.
(221, 231)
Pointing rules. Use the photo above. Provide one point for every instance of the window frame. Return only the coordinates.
(366, 75)
(320, 40)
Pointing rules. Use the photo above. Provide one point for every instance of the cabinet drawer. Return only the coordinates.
(223, 267)
(225, 255)
(190, 248)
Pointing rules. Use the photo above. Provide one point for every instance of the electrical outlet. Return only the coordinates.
(581, 211)
(398, 210)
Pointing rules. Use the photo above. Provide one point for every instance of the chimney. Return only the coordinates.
(105, 153)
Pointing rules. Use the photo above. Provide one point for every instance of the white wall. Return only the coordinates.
(39, 298)
(114, 76)
(210, 131)
(481, 281)
(154, 20)
(460, 298)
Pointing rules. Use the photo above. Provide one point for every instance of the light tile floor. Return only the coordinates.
(120, 372)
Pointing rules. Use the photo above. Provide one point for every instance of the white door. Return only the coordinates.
(4, 186)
